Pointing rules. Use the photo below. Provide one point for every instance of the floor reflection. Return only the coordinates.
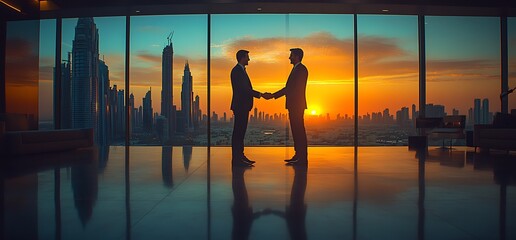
(142, 193)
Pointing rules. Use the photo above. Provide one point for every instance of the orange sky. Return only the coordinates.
(388, 76)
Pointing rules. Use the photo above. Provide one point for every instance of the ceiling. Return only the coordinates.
(34, 9)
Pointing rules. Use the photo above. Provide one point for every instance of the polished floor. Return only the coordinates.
(194, 193)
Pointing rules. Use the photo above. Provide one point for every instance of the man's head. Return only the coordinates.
(296, 55)
(242, 57)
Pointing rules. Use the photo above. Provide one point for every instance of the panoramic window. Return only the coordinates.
(511, 32)
(47, 54)
(388, 85)
(463, 68)
(93, 76)
(21, 73)
(327, 43)
(168, 80)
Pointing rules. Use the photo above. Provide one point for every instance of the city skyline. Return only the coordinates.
(389, 81)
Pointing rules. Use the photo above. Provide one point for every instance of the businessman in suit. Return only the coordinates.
(241, 104)
(295, 94)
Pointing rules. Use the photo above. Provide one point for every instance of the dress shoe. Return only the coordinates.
(247, 160)
(293, 159)
(240, 163)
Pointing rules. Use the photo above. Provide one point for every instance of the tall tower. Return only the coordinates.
(477, 111)
(102, 104)
(167, 60)
(147, 111)
(66, 94)
(85, 60)
(187, 97)
(196, 115)
(485, 111)
(132, 112)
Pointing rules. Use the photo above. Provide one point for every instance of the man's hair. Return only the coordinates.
(298, 52)
(240, 54)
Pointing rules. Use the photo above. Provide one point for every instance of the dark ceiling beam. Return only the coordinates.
(364, 7)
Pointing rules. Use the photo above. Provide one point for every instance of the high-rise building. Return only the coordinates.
(196, 114)
(477, 111)
(402, 116)
(414, 114)
(435, 110)
(167, 60)
(66, 94)
(147, 111)
(133, 113)
(485, 111)
(120, 126)
(187, 98)
(85, 60)
(471, 118)
(102, 131)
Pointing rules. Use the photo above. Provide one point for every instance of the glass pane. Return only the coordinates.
(463, 68)
(47, 54)
(264, 36)
(327, 42)
(388, 79)
(268, 39)
(511, 32)
(168, 80)
(93, 70)
(22, 74)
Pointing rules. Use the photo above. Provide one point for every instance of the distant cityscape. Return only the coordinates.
(87, 100)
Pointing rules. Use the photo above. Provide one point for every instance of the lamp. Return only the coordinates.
(10, 5)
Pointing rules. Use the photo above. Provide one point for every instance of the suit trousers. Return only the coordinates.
(239, 129)
(297, 126)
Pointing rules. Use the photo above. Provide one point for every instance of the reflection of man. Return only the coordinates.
(295, 213)
(241, 104)
(243, 215)
(294, 92)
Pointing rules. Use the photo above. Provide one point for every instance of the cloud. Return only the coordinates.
(21, 65)
(455, 70)
(148, 57)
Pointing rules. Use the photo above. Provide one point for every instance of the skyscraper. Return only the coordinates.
(85, 60)
(477, 111)
(147, 111)
(196, 115)
(133, 113)
(485, 111)
(102, 130)
(187, 98)
(66, 94)
(167, 60)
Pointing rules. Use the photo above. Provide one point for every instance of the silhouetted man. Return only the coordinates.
(241, 104)
(295, 94)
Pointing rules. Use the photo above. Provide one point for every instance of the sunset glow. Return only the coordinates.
(457, 71)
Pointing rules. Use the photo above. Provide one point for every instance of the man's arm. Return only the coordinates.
(238, 80)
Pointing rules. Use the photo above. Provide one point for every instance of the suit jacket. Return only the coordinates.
(295, 89)
(243, 92)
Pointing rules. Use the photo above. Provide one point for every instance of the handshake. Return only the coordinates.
(267, 95)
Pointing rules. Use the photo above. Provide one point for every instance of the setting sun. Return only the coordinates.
(313, 112)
